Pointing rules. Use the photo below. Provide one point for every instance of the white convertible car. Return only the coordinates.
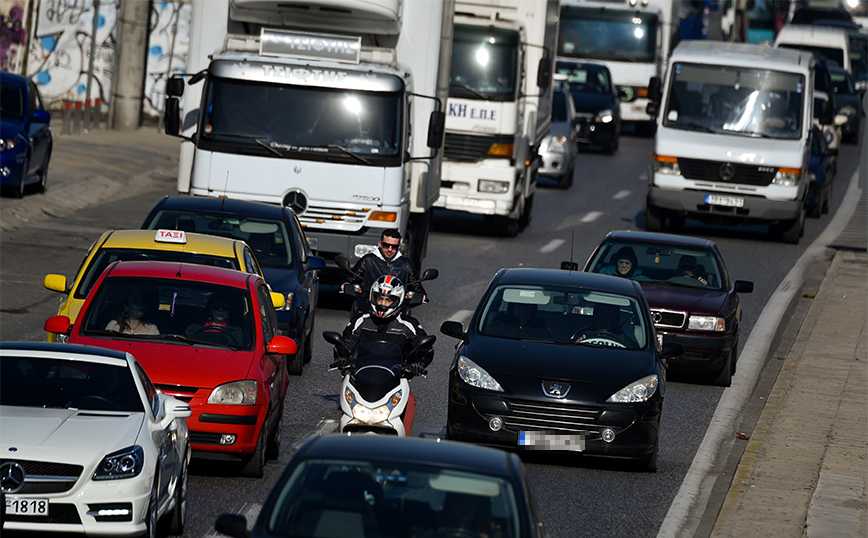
(89, 445)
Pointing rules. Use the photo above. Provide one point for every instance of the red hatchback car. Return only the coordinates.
(688, 288)
(205, 335)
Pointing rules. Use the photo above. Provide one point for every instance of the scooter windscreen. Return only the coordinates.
(377, 369)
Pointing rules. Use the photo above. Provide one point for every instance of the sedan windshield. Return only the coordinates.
(324, 498)
(659, 262)
(186, 311)
(63, 384)
(567, 315)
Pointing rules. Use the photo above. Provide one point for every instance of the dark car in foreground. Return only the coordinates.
(281, 247)
(25, 135)
(559, 360)
(692, 298)
(395, 487)
(597, 101)
(821, 170)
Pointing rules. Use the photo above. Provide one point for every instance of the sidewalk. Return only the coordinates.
(805, 467)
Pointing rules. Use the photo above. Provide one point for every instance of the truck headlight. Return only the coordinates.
(604, 116)
(787, 177)
(494, 187)
(706, 323)
(235, 393)
(360, 250)
(664, 164)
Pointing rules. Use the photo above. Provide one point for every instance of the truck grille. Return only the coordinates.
(551, 416)
(46, 476)
(745, 174)
(666, 318)
(471, 148)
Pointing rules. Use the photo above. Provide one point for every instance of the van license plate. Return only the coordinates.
(729, 201)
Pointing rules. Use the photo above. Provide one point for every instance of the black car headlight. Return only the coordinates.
(638, 391)
(125, 463)
(473, 374)
(6, 144)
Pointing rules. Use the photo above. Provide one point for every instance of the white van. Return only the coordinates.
(733, 137)
(826, 42)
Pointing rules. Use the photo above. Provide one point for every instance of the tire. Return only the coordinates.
(648, 464)
(308, 345)
(824, 208)
(272, 451)
(790, 231)
(506, 226)
(676, 224)
(296, 363)
(179, 513)
(254, 467)
(724, 377)
(566, 180)
(151, 520)
(612, 147)
(526, 215)
(43, 177)
(22, 185)
(653, 219)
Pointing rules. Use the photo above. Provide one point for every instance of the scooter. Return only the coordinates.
(375, 393)
(410, 299)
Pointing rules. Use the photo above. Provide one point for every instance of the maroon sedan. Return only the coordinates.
(692, 299)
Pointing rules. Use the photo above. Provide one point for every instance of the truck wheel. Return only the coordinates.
(826, 200)
(417, 237)
(653, 219)
(526, 215)
(790, 231)
(506, 226)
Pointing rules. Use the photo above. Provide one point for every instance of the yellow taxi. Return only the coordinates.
(142, 245)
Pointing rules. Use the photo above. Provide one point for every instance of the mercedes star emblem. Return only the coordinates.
(296, 201)
(727, 171)
(11, 477)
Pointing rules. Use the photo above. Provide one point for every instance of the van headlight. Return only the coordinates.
(787, 177)
(668, 167)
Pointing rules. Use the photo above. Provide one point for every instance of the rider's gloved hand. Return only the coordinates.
(416, 369)
(341, 363)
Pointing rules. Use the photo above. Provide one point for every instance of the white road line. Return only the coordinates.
(621, 195)
(692, 497)
(462, 316)
(643, 177)
(592, 216)
(552, 245)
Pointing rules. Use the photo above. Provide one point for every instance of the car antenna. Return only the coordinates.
(571, 265)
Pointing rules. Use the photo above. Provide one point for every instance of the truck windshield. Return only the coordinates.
(484, 63)
(735, 100)
(307, 122)
(607, 34)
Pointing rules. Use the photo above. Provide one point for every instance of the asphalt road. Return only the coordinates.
(579, 497)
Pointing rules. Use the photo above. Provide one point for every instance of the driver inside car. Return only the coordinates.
(606, 325)
(218, 327)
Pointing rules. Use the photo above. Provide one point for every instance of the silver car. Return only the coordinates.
(558, 150)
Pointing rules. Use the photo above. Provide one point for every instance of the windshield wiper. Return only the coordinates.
(471, 89)
(256, 139)
(695, 127)
(350, 153)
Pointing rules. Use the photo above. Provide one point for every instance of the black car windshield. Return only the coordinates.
(735, 100)
(268, 238)
(107, 256)
(43, 382)
(659, 262)
(158, 309)
(11, 101)
(607, 34)
(565, 315)
(340, 497)
(585, 77)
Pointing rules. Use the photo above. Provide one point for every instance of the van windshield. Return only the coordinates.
(735, 100)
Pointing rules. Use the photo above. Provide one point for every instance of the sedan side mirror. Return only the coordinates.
(282, 345)
(57, 324)
(232, 525)
(743, 286)
(453, 329)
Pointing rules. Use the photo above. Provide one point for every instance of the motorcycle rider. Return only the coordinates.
(387, 259)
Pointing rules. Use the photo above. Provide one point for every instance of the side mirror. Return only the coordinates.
(652, 109)
(175, 87)
(426, 342)
(453, 329)
(544, 71)
(282, 345)
(172, 116)
(743, 286)
(278, 300)
(336, 339)
(436, 129)
(429, 274)
(55, 283)
(175, 408)
(654, 91)
(57, 324)
(232, 525)
(315, 262)
(343, 263)
(41, 116)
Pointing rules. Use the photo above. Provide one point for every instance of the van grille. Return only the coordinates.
(744, 174)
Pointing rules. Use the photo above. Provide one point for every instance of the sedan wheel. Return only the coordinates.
(151, 516)
(274, 439)
(43, 176)
(179, 512)
(649, 464)
(724, 377)
(22, 184)
(254, 467)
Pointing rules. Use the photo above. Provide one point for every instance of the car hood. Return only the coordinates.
(520, 361)
(178, 363)
(592, 102)
(281, 280)
(690, 300)
(68, 435)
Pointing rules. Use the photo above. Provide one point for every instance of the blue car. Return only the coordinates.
(821, 170)
(276, 237)
(25, 135)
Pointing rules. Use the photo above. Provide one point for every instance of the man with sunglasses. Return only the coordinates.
(387, 259)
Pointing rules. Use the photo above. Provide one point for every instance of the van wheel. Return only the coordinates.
(790, 231)
(653, 219)
(827, 200)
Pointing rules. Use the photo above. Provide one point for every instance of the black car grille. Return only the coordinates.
(58, 513)
(471, 148)
(46, 476)
(551, 416)
(665, 318)
(205, 438)
(744, 174)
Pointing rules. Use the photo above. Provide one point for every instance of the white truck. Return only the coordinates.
(733, 139)
(630, 37)
(499, 108)
(331, 107)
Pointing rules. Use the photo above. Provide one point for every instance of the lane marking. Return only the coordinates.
(592, 216)
(462, 316)
(552, 245)
(621, 195)
(691, 501)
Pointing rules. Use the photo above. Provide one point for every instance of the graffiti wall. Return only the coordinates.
(13, 34)
(59, 54)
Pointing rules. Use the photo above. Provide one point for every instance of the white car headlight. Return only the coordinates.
(706, 323)
(604, 116)
(474, 375)
(6, 143)
(497, 187)
(235, 393)
(558, 144)
(638, 391)
(125, 463)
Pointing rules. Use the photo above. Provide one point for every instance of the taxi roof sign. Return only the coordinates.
(171, 236)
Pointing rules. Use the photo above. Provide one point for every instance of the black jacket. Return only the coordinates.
(402, 329)
(373, 265)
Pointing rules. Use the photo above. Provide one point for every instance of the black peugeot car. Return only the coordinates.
(560, 360)
(597, 101)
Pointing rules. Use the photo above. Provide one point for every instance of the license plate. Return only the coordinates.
(537, 440)
(729, 201)
(26, 507)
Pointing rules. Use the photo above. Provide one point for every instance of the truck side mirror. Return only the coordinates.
(175, 87)
(544, 71)
(654, 92)
(436, 128)
(172, 116)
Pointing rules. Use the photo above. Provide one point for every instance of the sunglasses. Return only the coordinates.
(389, 245)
